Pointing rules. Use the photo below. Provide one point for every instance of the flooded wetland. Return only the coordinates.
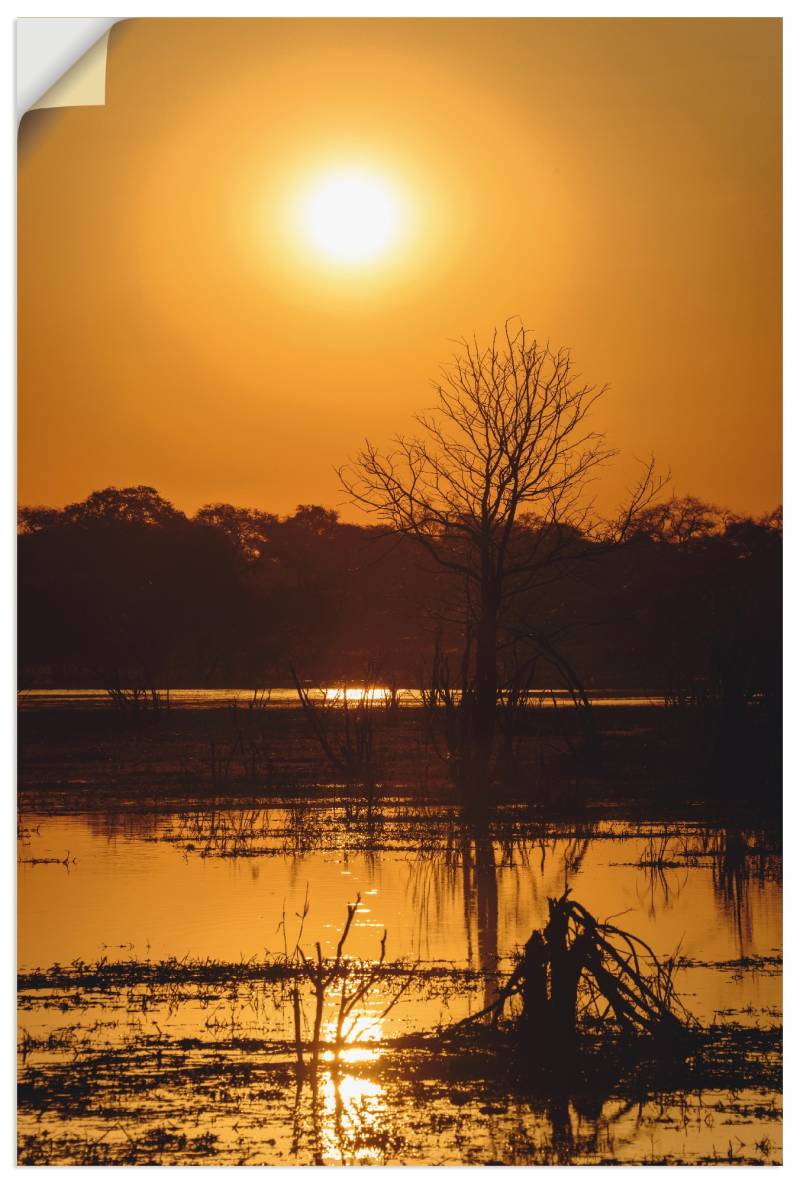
(302, 982)
(399, 774)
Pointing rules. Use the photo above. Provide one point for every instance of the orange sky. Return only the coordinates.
(616, 183)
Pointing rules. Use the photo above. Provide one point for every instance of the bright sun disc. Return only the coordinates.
(350, 216)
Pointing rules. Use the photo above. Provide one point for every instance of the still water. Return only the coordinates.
(286, 696)
(233, 887)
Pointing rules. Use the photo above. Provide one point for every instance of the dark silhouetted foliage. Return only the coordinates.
(124, 589)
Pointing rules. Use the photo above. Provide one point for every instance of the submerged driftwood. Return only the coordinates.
(577, 973)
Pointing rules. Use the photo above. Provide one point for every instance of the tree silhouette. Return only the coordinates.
(140, 504)
(510, 434)
(250, 530)
(232, 596)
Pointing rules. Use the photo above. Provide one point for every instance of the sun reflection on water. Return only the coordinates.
(350, 1112)
(354, 1119)
(357, 693)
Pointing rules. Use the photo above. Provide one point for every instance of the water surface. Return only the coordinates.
(232, 887)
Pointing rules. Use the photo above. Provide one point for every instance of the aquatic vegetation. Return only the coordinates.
(187, 1062)
(342, 722)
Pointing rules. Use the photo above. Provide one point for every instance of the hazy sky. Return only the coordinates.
(615, 183)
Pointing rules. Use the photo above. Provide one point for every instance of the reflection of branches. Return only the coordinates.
(738, 857)
(574, 856)
(656, 863)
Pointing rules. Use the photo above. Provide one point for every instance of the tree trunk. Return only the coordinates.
(566, 963)
(485, 691)
(533, 985)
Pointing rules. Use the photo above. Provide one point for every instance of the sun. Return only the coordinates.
(350, 216)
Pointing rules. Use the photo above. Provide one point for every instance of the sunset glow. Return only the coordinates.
(400, 649)
(396, 183)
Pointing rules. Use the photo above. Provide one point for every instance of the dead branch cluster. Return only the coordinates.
(355, 981)
(580, 974)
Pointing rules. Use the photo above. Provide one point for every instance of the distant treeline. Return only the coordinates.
(123, 589)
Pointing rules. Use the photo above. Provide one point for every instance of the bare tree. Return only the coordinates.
(510, 436)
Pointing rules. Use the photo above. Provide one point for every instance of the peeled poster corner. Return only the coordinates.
(61, 62)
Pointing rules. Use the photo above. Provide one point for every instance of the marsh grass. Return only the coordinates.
(195, 1062)
(342, 721)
